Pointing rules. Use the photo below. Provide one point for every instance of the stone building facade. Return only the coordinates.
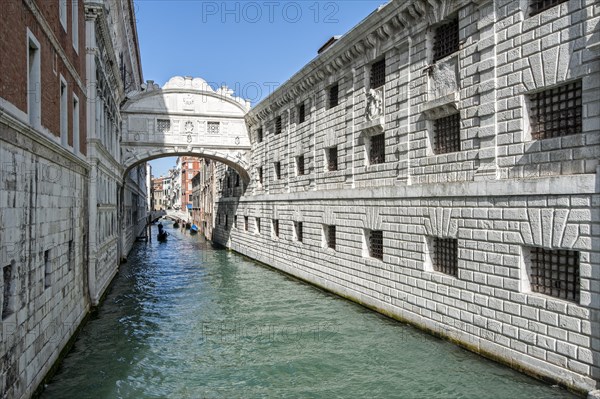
(439, 164)
(61, 83)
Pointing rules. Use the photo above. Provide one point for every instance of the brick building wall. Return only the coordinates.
(446, 152)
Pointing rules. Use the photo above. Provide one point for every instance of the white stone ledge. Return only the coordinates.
(558, 185)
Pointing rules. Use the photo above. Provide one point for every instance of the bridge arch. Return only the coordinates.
(185, 117)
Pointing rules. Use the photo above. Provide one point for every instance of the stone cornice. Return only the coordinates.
(97, 12)
(55, 43)
(379, 26)
(62, 155)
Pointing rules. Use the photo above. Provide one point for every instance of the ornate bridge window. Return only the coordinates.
(213, 127)
(163, 125)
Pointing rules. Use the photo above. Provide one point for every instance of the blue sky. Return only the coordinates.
(247, 45)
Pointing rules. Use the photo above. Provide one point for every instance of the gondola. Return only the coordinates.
(162, 235)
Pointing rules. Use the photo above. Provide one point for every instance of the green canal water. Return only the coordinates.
(186, 320)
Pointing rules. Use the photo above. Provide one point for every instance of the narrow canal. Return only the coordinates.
(186, 320)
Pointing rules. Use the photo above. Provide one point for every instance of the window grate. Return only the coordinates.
(555, 273)
(332, 159)
(377, 150)
(246, 223)
(163, 126)
(556, 112)
(299, 231)
(258, 225)
(301, 113)
(446, 40)
(378, 74)
(334, 95)
(8, 282)
(445, 255)
(260, 175)
(331, 237)
(276, 228)
(376, 244)
(300, 164)
(447, 134)
(237, 180)
(226, 220)
(259, 135)
(277, 166)
(213, 128)
(278, 125)
(537, 6)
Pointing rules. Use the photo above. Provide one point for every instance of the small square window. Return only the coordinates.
(277, 168)
(377, 149)
(300, 165)
(377, 78)
(278, 125)
(301, 113)
(334, 92)
(538, 6)
(213, 127)
(330, 236)
(332, 159)
(446, 40)
(555, 273)
(447, 134)
(556, 112)
(275, 228)
(445, 255)
(298, 230)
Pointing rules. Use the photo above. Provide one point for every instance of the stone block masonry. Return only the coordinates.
(485, 190)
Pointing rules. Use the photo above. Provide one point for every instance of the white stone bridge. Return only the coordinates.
(185, 117)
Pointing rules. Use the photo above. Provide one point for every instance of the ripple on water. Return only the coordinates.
(185, 320)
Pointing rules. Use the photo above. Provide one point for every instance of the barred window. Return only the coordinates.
(259, 135)
(278, 125)
(332, 159)
(556, 112)
(301, 113)
(447, 134)
(277, 167)
(376, 244)
(258, 225)
(330, 236)
(298, 227)
(276, 228)
(334, 92)
(446, 40)
(260, 175)
(300, 165)
(163, 126)
(237, 180)
(213, 127)
(226, 220)
(7, 274)
(445, 255)
(537, 6)
(377, 74)
(555, 273)
(377, 149)
(246, 223)
(235, 221)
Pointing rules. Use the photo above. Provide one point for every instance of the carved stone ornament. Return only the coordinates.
(374, 104)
